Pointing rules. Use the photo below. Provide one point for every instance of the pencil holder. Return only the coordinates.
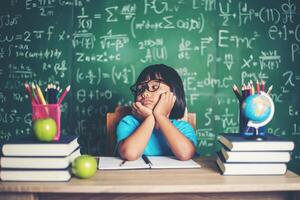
(40, 111)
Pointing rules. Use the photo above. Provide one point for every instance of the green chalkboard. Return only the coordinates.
(100, 47)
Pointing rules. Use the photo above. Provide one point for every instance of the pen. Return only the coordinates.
(244, 91)
(122, 163)
(47, 94)
(52, 95)
(147, 161)
(248, 90)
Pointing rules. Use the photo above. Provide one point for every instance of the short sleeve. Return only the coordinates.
(126, 127)
(187, 130)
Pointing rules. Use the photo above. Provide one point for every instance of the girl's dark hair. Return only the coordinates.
(172, 79)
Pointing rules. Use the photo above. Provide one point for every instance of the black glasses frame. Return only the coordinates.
(144, 86)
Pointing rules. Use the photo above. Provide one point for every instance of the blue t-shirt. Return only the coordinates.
(157, 144)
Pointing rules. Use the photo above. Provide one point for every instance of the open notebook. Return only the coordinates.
(153, 162)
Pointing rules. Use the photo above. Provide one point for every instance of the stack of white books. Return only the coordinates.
(245, 156)
(27, 159)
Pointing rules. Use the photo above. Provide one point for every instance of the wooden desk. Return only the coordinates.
(204, 183)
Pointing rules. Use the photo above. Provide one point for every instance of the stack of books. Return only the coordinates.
(27, 159)
(243, 156)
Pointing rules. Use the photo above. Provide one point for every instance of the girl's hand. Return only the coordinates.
(164, 105)
(140, 111)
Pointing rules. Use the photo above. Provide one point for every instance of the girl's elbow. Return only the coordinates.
(128, 154)
(186, 155)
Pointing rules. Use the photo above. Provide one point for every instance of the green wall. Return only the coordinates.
(100, 47)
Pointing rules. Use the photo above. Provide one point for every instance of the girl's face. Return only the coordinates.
(148, 92)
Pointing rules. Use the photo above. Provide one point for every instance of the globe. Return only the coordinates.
(256, 108)
(259, 110)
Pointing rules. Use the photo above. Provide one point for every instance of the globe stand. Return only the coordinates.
(257, 125)
(257, 136)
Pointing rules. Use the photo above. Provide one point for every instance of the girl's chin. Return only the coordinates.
(148, 105)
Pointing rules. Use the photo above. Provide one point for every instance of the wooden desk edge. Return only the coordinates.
(289, 182)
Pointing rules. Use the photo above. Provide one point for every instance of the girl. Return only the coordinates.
(154, 128)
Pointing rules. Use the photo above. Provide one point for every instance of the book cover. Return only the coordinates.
(35, 175)
(30, 146)
(145, 162)
(250, 168)
(236, 142)
(17, 162)
(255, 156)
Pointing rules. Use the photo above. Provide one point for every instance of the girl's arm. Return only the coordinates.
(181, 147)
(133, 147)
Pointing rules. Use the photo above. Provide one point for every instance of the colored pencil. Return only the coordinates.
(270, 89)
(64, 94)
(28, 89)
(257, 86)
(237, 92)
(262, 86)
(59, 91)
(40, 95)
(34, 93)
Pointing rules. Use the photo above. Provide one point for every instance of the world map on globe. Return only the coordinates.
(256, 108)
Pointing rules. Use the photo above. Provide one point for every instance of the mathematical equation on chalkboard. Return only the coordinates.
(99, 47)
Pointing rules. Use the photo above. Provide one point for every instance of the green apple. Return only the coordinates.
(45, 129)
(84, 166)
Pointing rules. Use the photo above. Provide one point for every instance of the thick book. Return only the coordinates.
(38, 162)
(251, 168)
(237, 142)
(145, 162)
(30, 146)
(256, 156)
(35, 175)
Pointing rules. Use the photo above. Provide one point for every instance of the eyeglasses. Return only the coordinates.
(151, 86)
